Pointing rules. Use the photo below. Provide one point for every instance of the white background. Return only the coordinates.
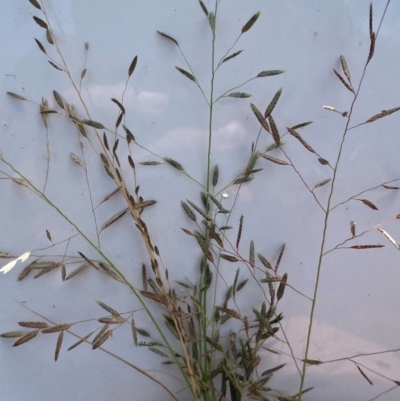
(358, 298)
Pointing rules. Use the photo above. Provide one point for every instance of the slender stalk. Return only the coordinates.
(325, 225)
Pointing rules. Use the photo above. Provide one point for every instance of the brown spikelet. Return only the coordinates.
(322, 183)
(40, 22)
(77, 271)
(112, 320)
(188, 211)
(280, 257)
(190, 233)
(41, 47)
(134, 335)
(83, 339)
(345, 69)
(273, 103)
(58, 345)
(368, 203)
(186, 74)
(113, 219)
(204, 8)
(110, 272)
(144, 277)
(281, 288)
(27, 337)
(264, 261)
(55, 65)
(229, 258)
(324, 162)
(35, 4)
(57, 328)
(300, 139)
(168, 37)
(371, 47)
(49, 37)
(102, 339)
(231, 56)
(13, 334)
(16, 96)
(132, 66)
(371, 29)
(239, 234)
(274, 131)
(366, 246)
(48, 235)
(58, 99)
(364, 376)
(343, 81)
(260, 117)
(274, 160)
(34, 325)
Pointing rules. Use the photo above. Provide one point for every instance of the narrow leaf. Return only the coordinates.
(168, 37)
(273, 103)
(250, 22)
(186, 74)
(241, 284)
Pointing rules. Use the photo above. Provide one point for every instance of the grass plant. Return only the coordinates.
(215, 345)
